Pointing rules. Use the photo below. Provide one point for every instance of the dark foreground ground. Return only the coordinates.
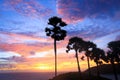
(105, 70)
(75, 76)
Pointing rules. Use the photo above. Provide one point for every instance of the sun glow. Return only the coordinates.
(44, 67)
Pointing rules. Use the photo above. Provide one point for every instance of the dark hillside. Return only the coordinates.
(75, 76)
(105, 69)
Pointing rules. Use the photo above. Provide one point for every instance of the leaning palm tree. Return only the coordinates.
(88, 47)
(98, 55)
(75, 44)
(114, 55)
(56, 33)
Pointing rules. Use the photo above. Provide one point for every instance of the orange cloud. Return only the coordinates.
(24, 44)
(18, 43)
(21, 38)
(24, 49)
(46, 64)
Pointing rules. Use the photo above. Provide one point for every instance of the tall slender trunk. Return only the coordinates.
(89, 66)
(98, 73)
(114, 70)
(55, 50)
(78, 65)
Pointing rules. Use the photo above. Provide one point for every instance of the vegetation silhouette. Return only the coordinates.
(56, 33)
(91, 52)
(88, 47)
(78, 45)
(113, 55)
(98, 55)
(75, 44)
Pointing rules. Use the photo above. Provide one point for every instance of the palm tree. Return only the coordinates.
(98, 55)
(75, 44)
(88, 47)
(56, 33)
(114, 55)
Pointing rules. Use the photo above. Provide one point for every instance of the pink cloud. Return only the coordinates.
(23, 44)
(21, 38)
(27, 45)
(24, 49)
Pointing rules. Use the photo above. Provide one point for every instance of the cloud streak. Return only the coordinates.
(94, 30)
(76, 10)
(30, 8)
(26, 45)
(23, 44)
(21, 38)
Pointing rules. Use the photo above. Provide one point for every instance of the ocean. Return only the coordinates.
(37, 76)
(27, 76)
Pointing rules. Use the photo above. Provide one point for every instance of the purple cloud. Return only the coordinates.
(10, 62)
(7, 66)
(93, 31)
(15, 59)
(75, 10)
(89, 33)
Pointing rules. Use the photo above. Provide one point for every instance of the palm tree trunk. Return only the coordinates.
(98, 73)
(114, 70)
(89, 66)
(55, 57)
(78, 66)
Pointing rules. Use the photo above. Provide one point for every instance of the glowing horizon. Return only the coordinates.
(24, 45)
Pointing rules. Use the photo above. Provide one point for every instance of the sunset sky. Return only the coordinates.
(24, 45)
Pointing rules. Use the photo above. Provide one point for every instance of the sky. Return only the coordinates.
(24, 45)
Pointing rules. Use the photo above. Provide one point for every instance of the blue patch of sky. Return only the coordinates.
(51, 4)
(103, 41)
(20, 24)
(94, 27)
(11, 21)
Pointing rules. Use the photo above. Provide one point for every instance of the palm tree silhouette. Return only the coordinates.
(114, 55)
(88, 47)
(75, 43)
(98, 55)
(56, 33)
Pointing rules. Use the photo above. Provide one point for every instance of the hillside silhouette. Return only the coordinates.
(104, 69)
(75, 76)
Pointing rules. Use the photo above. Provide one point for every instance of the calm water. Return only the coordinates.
(26, 76)
(35, 76)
